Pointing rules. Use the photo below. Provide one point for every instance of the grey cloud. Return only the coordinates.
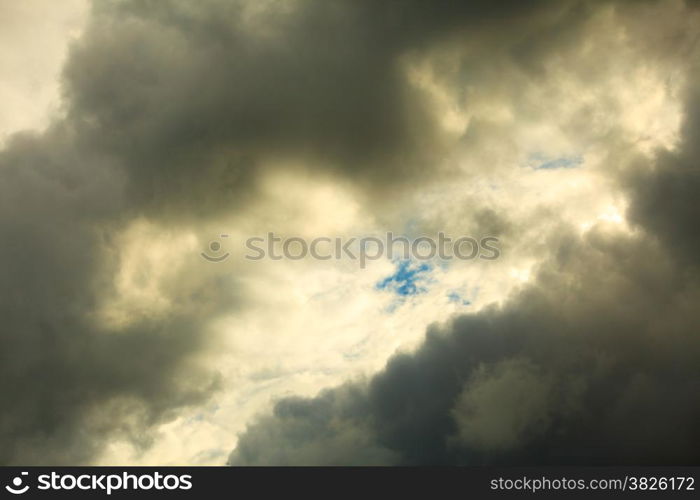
(502, 405)
(664, 196)
(330, 429)
(198, 100)
(68, 382)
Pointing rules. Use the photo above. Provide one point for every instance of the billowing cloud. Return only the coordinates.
(311, 116)
(172, 111)
(198, 101)
(70, 381)
(592, 362)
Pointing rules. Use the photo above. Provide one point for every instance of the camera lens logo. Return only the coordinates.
(216, 248)
(16, 487)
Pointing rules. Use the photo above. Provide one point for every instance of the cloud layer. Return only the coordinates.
(177, 117)
(593, 362)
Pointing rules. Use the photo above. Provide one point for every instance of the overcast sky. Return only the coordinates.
(135, 133)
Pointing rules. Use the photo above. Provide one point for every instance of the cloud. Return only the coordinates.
(68, 380)
(594, 361)
(664, 193)
(502, 406)
(198, 101)
(173, 112)
(179, 116)
(330, 429)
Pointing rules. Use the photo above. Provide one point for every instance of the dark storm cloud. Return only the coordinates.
(198, 99)
(67, 381)
(665, 196)
(330, 429)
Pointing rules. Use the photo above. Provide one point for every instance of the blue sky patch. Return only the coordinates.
(457, 298)
(407, 278)
(539, 161)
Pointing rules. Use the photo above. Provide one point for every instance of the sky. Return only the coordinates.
(135, 134)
